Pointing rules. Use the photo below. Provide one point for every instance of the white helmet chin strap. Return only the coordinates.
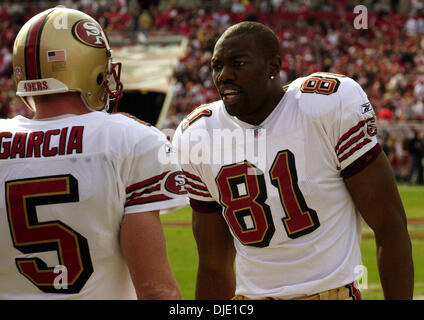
(30, 102)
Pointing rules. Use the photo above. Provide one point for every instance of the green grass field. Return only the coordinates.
(183, 255)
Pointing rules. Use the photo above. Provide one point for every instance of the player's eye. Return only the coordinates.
(239, 63)
(216, 66)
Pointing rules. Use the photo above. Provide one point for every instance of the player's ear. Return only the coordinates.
(274, 65)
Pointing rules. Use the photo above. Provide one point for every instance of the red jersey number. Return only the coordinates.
(242, 192)
(31, 236)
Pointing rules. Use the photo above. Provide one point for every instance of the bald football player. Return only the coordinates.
(289, 214)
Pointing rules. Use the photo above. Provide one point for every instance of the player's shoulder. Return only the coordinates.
(129, 118)
(4, 124)
(9, 121)
(322, 92)
(14, 124)
(324, 84)
(127, 122)
(130, 127)
(201, 117)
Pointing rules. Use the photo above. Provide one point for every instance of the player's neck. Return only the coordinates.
(51, 106)
(258, 117)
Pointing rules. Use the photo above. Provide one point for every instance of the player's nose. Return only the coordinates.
(226, 74)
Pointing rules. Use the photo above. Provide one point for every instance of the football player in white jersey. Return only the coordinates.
(81, 189)
(279, 179)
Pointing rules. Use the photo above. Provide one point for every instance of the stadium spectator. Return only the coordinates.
(400, 159)
(415, 148)
(385, 114)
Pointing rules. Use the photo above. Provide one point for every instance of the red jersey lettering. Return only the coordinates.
(41, 143)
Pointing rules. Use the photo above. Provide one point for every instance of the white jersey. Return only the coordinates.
(296, 229)
(65, 187)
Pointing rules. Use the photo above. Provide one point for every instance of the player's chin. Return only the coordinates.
(233, 109)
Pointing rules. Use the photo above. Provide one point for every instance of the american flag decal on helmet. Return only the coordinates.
(56, 55)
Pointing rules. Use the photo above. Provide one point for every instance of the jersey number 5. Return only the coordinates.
(243, 193)
(31, 236)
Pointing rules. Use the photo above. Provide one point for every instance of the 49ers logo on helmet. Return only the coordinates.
(89, 33)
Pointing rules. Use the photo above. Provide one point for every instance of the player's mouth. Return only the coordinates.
(230, 96)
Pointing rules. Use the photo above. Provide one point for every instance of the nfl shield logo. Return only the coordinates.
(18, 73)
(256, 132)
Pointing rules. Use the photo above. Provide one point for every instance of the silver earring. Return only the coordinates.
(272, 77)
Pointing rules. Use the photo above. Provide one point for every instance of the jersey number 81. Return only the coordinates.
(242, 192)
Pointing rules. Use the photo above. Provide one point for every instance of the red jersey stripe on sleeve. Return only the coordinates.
(351, 142)
(190, 190)
(347, 135)
(146, 200)
(192, 176)
(196, 185)
(145, 191)
(354, 149)
(146, 182)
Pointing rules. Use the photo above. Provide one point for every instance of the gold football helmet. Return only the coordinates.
(61, 50)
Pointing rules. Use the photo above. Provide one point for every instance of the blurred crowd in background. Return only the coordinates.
(386, 57)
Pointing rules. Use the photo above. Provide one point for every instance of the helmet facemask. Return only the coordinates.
(113, 80)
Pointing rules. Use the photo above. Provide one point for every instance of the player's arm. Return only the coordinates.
(144, 248)
(215, 274)
(375, 194)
